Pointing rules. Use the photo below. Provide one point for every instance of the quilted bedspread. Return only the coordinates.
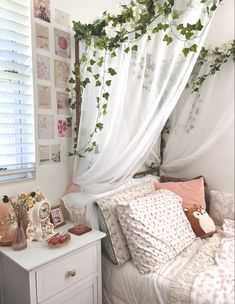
(216, 284)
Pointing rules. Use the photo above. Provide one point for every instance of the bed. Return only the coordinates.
(200, 266)
(125, 285)
(201, 273)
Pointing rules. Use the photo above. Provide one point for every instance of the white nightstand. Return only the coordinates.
(70, 274)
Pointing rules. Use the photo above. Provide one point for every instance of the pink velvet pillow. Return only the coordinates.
(192, 192)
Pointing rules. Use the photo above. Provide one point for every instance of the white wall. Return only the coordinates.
(53, 179)
(217, 164)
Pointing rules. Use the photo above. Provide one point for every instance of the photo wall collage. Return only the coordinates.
(52, 45)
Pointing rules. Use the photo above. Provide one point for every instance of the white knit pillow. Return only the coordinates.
(156, 229)
(221, 206)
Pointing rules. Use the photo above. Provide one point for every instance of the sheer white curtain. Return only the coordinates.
(143, 94)
(197, 123)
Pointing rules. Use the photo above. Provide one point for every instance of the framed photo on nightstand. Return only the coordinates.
(57, 216)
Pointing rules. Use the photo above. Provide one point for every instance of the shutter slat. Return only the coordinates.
(11, 86)
(18, 77)
(13, 26)
(13, 16)
(15, 7)
(13, 56)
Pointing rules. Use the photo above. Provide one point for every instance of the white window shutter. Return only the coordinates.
(17, 139)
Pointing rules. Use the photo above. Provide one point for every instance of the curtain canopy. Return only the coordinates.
(191, 130)
(143, 94)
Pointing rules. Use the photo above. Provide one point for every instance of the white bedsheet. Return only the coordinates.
(125, 285)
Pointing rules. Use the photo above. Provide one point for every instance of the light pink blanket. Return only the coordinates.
(216, 285)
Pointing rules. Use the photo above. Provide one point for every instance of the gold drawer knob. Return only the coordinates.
(71, 273)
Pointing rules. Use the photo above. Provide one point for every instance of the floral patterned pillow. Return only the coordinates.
(156, 229)
(114, 243)
(221, 206)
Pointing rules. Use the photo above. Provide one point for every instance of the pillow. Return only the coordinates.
(156, 229)
(114, 243)
(192, 192)
(201, 223)
(166, 179)
(221, 206)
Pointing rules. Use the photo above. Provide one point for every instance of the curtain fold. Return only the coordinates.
(194, 130)
(143, 94)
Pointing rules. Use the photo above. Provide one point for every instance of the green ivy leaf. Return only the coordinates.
(96, 76)
(193, 48)
(100, 62)
(186, 51)
(71, 80)
(168, 39)
(113, 54)
(83, 58)
(175, 15)
(99, 126)
(89, 69)
(127, 50)
(213, 8)
(198, 25)
(106, 95)
(92, 62)
(155, 30)
(108, 82)
(135, 48)
(98, 83)
(112, 71)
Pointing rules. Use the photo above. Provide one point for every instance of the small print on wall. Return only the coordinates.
(42, 37)
(62, 74)
(55, 153)
(62, 100)
(64, 129)
(45, 126)
(42, 10)
(62, 43)
(43, 67)
(62, 18)
(44, 96)
(44, 154)
(49, 154)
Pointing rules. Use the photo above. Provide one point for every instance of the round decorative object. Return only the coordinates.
(7, 228)
(39, 221)
(62, 42)
(44, 210)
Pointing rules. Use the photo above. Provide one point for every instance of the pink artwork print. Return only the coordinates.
(43, 67)
(62, 43)
(64, 129)
(62, 99)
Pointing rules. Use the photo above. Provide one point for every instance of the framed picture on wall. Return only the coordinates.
(42, 10)
(62, 43)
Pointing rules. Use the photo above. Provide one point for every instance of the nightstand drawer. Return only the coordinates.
(62, 273)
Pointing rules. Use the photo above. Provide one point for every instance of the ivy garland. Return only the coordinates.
(139, 18)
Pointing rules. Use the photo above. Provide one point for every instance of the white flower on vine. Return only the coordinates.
(111, 31)
(130, 26)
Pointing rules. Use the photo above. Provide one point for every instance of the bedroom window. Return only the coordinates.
(17, 140)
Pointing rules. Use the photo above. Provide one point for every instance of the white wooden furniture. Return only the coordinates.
(38, 274)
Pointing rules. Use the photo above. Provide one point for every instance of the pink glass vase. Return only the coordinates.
(19, 241)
